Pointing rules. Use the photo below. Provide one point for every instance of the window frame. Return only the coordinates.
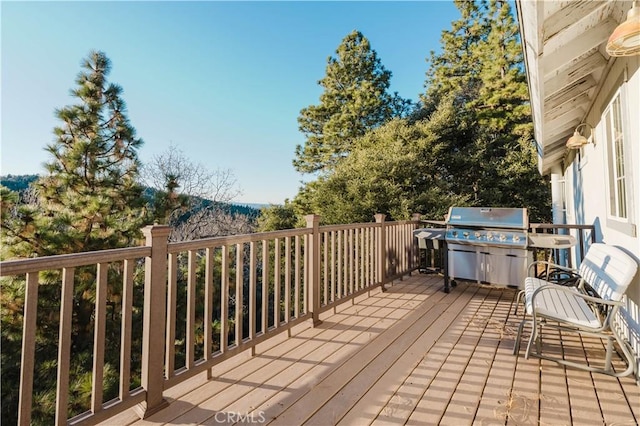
(617, 162)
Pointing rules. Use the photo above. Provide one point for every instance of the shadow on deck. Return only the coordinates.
(410, 355)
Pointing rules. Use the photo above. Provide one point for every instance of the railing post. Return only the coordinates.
(415, 254)
(313, 223)
(153, 322)
(382, 250)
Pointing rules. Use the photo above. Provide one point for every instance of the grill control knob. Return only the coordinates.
(516, 238)
(466, 234)
(503, 237)
(489, 236)
(477, 234)
(454, 233)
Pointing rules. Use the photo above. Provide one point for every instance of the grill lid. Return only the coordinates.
(494, 217)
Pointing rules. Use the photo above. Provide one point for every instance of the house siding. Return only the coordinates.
(586, 182)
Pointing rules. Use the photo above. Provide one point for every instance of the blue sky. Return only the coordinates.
(222, 81)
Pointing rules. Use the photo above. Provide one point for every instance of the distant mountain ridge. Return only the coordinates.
(21, 182)
(17, 182)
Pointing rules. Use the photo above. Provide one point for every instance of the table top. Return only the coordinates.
(551, 241)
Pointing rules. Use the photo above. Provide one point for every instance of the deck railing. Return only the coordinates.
(585, 236)
(247, 287)
(197, 303)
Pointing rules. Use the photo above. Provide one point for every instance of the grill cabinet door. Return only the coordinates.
(463, 262)
(506, 267)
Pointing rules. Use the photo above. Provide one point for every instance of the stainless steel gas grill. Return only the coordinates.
(487, 245)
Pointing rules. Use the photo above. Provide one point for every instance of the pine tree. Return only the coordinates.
(454, 69)
(355, 100)
(480, 68)
(88, 200)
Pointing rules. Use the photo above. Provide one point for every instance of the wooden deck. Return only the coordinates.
(410, 355)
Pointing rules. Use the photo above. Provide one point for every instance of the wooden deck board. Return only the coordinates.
(411, 355)
(385, 344)
(279, 402)
(554, 398)
(392, 370)
(464, 404)
(399, 405)
(432, 406)
(282, 358)
(582, 396)
(493, 403)
(267, 401)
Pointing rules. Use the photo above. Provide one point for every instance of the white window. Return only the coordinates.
(615, 153)
(618, 170)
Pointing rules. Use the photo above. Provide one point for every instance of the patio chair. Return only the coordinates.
(589, 308)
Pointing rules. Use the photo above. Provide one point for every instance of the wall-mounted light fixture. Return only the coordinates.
(577, 141)
(625, 39)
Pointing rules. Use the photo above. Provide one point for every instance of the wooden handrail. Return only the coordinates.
(581, 247)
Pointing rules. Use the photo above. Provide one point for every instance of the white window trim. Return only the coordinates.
(624, 225)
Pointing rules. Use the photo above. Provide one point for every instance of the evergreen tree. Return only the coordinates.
(454, 69)
(480, 68)
(355, 100)
(391, 170)
(88, 200)
(277, 217)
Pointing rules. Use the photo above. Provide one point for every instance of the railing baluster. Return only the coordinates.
(405, 249)
(358, 238)
(287, 279)
(172, 299)
(381, 247)
(224, 299)
(252, 290)
(276, 283)
(28, 348)
(350, 257)
(191, 310)
(402, 246)
(127, 323)
(304, 274)
(365, 258)
(208, 305)
(367, 246)
(372, 255)
(339, 275)
(394, 248)
(345, 267)
(296, 292)
(99, 338)
(333, 260)
(325, 261)
(64, 346)
(265, 286)
(239, 285)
